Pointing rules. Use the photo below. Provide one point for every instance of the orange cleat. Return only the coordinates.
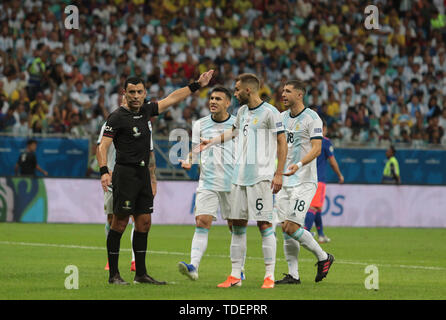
(133, 267)
(230, 282)
(107, 267)
(268, 283)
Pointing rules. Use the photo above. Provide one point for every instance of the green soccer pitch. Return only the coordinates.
(410, 262)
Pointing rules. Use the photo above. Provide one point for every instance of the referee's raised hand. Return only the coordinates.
(205, 77)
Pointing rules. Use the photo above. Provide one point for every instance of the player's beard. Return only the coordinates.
(243, 100)
(290, 104)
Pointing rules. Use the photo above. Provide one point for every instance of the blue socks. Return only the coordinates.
(310, 219)
(318, 222)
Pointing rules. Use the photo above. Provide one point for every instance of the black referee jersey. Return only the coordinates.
(131, 133)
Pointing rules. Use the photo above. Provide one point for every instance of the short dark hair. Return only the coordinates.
(31, 141)
(224, 90)
(297, 84)
(134, 81)
(249, 78)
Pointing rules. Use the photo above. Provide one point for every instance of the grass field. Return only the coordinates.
(411, 264)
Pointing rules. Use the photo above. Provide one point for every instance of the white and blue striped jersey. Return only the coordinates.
(257, 143)
(111, 154)
(300, 130)
(217, 161)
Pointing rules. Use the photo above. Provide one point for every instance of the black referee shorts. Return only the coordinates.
(132, 190)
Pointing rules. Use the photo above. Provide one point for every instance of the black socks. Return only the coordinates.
(113, 245)
(140, 248)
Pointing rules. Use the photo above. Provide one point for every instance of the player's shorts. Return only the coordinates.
(292, 203)
(108, 202)
(319, 197)
(252, 202)
(132, 190)
(208, 201)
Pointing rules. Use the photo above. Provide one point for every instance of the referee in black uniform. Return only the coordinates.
(127, 127)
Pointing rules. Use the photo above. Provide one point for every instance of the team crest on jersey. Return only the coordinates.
(297, 127)
(255, 121)
(136, 132)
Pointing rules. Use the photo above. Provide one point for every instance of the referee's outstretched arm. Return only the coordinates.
(183, 93)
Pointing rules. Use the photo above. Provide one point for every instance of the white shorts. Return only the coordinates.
(108, 202)
(252, 202)
(208, 201)
(292, 203)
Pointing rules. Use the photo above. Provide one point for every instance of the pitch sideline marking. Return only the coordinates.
(214, 256)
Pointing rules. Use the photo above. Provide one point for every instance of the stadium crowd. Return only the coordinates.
(372, 87)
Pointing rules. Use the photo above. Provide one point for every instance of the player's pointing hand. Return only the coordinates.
(204, 144)
(185, 164)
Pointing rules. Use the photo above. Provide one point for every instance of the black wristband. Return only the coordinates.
(194, 86)
(103, 170)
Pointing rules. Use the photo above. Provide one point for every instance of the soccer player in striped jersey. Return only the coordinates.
(303, 129)
(216, 169)
(259, 129)
(108, 195)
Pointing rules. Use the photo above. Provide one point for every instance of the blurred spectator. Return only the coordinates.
(434, 131)
(56, 122)
(346, 131)
(350, 73)
(81, 100)
(37, 70)
(385, 139)
(21, 127)
(442, 119)
(7, 120)
(77, 129)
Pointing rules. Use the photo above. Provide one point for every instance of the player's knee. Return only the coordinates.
(262, 225)
(285, 226)
(143, 223)
(230, 225)
(291, 228)
(203, 222)
(119, 223)
(240, 223)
